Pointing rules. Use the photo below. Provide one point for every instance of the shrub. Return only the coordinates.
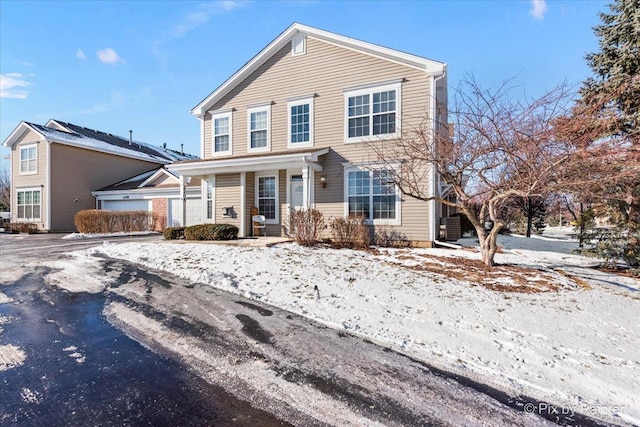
(305, 226)
(173, 233)
(102, 221)
(385, 237)
(23, 227)
(350, 232)
(211, 232)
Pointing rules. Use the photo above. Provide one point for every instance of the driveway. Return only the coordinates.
(156, 350)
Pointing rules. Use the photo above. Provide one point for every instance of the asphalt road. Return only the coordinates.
(152, 349)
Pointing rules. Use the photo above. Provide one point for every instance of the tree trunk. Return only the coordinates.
(529, 207)
(488, 244)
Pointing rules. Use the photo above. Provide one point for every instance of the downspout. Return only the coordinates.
(434, 228)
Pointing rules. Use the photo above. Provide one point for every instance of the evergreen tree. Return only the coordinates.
(617, 67)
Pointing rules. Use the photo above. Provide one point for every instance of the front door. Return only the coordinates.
(296, 192)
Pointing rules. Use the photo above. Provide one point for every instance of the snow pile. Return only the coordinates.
(75, 274)
(77, 236)
(570, 341)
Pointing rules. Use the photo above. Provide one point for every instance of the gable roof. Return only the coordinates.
(78, 136)
(429, 66)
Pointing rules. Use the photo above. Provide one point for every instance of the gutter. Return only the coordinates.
(433, 229)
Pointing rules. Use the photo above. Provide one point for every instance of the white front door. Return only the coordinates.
(296, 192)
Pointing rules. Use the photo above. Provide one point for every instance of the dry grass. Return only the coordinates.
(500, 278)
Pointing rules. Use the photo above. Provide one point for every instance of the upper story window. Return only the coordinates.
(28, 159)
(300, 122)
(298, 45)
(259, 119)
(221, 130)
(372, 113)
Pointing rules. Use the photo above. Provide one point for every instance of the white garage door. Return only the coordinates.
(126, 205)
(194, 212)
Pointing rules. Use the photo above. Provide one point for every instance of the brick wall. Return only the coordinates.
(159, 209)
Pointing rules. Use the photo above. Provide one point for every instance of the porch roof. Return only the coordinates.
(250, 163)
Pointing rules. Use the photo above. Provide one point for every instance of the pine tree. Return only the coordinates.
(617, 67)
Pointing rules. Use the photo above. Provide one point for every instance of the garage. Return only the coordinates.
(126, 205)
(194, 212)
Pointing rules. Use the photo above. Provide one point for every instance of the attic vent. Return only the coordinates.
(299, 45)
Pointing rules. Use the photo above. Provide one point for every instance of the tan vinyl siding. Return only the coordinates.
(75, 172)
(250, 200)
(37, 180)
(227, 194)
(326, 71)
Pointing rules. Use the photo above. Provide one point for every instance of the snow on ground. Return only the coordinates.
(72, 276)
(566, 335)
(76, 236)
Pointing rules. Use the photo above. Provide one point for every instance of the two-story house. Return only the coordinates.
(293, 128)
(55, 167)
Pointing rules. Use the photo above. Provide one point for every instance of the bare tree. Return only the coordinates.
(5, 190)
(500, 149)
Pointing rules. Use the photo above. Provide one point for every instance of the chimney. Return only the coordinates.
(182, 149)
(130, 137)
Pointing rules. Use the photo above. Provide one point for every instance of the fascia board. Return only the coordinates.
(156, 175)
(17, 133)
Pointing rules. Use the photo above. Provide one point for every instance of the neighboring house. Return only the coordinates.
(55, 167)
(158, 191)
(293, 129)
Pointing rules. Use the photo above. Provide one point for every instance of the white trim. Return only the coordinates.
(47, 190)
(250, 164)
(298, 102)
(263, 108)
(370, 90)
(202, 141)
(221, 115)
(371, 221)
(156, 174)
(266, 174)
(23, 148)
(205, 200)
(243, 204)
(416, 62)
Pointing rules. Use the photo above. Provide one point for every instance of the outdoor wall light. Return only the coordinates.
(323, 181)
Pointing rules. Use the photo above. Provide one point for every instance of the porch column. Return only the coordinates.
(183, 196)
(243, 205)
(305, 187)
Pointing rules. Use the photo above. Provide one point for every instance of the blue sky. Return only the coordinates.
(142, 65)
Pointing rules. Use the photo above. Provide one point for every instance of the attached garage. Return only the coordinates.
(126, 205)
(194, 212)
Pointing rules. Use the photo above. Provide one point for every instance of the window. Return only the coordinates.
(28, 159)
(300, 123)
(258, 121)
(210, 189)
(298, 45)
(267, 197)
(221, 130)
(29, 205)
(372, 113)
(372, 194)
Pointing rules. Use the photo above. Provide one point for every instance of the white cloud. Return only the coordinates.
(80, 55)
(11, 84)
(203, 14)
(108, 56)
(538, 9)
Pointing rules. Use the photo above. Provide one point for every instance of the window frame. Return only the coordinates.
(370, 90)
(216, 116)
(308, 100)
(268, 174)
(209, 198)
(371, 220)
(39, 204)
(35, 160)
(258, 109)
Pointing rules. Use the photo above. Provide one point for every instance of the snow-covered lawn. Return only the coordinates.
(546, 326)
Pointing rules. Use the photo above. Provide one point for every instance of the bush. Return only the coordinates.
(614, 245)
(173, 233)
(305, 226)
(102, 221)
(23, 227)
(387, 238)
(350, 232)
(211, 232)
